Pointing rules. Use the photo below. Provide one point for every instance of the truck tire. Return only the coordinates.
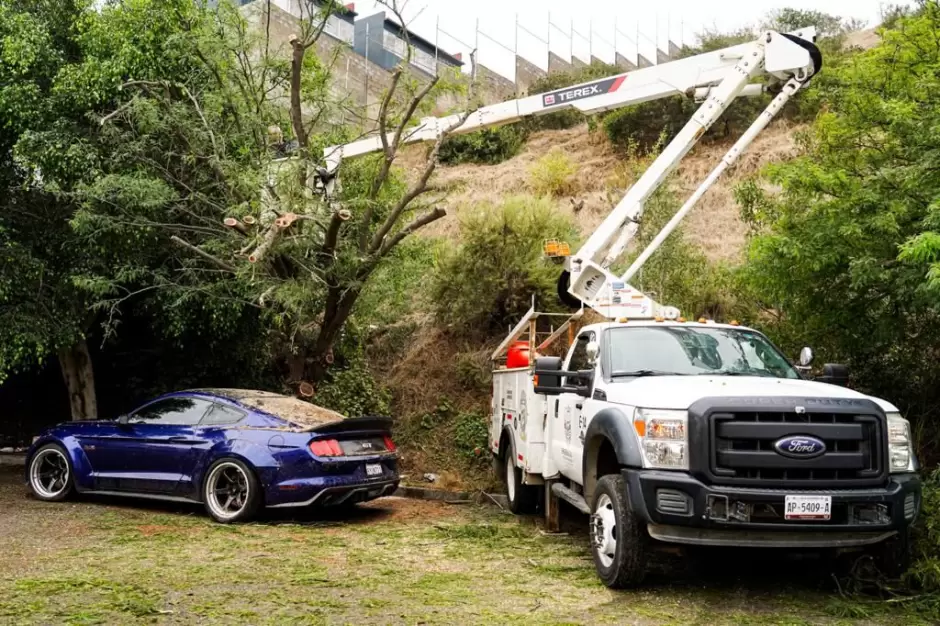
(892, 556)
(619, 542)
(521, 497)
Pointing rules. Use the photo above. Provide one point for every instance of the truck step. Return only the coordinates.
(574, 499)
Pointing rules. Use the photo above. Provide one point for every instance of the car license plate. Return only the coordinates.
(808, 507)
(373, 469)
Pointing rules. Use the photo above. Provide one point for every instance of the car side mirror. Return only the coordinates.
(806, 356)
(835, 374)
(124, 420)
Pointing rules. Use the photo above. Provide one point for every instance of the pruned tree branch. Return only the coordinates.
(419, 222)
(209, 257)
(332, 232)
(270, 237)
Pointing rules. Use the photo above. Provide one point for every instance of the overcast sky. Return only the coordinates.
(656, 20)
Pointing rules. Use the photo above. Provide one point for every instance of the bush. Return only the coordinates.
(487, 147)
(925, 574)
(553, 175)
(353, 392)
(488, 281)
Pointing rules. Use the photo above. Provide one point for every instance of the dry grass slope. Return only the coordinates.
(602, 178)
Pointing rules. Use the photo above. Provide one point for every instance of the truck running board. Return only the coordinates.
(574, 499)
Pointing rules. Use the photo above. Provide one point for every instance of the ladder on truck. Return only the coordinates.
(786, 60)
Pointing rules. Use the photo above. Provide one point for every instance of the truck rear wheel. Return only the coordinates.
(619, 542)
(521, 497)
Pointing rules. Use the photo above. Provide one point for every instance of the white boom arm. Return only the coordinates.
(716, 77)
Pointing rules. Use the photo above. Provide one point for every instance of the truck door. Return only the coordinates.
(569, 418)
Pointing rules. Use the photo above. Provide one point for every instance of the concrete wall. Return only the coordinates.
(492, 86)
(577, 63)
(624, 63)
(557, 65)
(526, 74)
(642, 61)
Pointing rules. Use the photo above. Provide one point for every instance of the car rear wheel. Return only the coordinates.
(231, 492)
(50, 474)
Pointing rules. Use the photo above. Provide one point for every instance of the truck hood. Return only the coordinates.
(680, 392)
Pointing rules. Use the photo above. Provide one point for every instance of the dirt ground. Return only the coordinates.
(396, 561)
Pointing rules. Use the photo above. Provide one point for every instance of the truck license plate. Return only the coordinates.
(808, 507)
(373, 469)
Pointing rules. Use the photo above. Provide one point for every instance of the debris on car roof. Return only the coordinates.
(300, 412)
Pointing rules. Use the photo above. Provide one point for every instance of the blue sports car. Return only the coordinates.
(233, 450)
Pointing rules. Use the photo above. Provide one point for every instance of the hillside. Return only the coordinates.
(603, 176)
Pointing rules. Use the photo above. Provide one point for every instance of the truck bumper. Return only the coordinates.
(678, 508)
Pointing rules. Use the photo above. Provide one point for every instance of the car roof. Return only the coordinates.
(279, 405)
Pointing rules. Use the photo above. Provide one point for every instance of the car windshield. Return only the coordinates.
(692, 351)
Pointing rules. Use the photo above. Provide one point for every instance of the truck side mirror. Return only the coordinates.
(548, 375)
(806, 356)
(593, 349)
(835, 374)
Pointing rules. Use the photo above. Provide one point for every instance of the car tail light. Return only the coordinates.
(389, 444)
(326, 447)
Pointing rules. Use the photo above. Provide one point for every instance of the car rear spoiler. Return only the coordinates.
(372, 423)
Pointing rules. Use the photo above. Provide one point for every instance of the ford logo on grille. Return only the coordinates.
(800, 447)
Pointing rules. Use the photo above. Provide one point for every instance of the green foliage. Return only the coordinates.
(488, 281)
(925, 575)
(487, 147)
(465, 432)
(553, 175)
(354, 392)
(847, 258)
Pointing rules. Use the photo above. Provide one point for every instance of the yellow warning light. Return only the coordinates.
(660, 319)
(702, 320)
(735, 323)
(555, 248)
(682, 320)
(622, 320)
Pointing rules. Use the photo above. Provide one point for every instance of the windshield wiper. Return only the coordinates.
(640, 373)
(728, 373)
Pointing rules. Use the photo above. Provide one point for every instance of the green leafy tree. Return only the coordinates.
(220, 160)
(848, 255)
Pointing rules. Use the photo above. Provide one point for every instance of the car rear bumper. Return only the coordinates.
(341, 494)
(678, 508)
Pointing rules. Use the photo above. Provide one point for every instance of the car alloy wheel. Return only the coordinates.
(228, 490)
(49, 473)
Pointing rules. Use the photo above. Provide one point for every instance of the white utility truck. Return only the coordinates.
(667, 431)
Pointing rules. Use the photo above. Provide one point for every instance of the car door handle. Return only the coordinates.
(578, 405)
(181, 439)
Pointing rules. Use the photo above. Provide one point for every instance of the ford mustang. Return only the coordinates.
(233, 450)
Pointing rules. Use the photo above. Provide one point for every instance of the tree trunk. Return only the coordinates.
(79, 380)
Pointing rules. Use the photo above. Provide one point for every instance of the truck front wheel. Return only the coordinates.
(619, 542)
(521, 497)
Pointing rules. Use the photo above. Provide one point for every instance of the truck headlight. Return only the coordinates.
(900, 457)
(664, 438)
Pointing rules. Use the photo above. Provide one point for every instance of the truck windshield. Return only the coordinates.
(692, 351)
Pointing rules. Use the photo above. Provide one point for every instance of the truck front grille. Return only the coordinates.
(742, 449)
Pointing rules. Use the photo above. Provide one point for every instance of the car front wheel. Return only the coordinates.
(50, 474)
(231, 492)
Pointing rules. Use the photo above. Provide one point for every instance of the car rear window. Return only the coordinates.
(295, 410)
